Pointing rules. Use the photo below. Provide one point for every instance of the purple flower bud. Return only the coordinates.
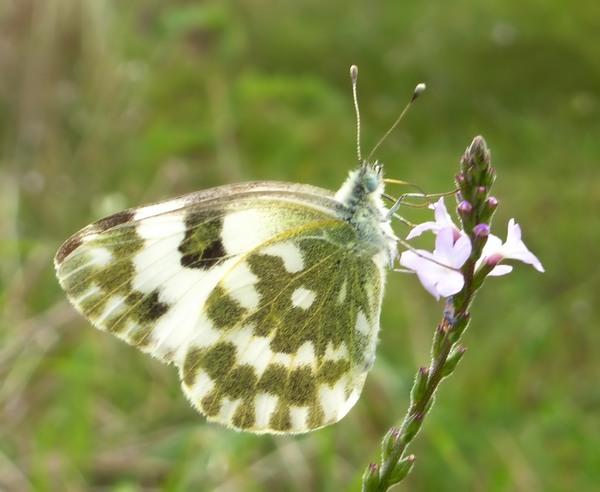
(464, 208)
(493, 260)
(481, 230)
(481, 190)
(492, 203)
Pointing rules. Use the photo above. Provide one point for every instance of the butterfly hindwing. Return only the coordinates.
(288, 335)
(258, 293)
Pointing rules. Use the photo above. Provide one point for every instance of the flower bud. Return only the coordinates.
(492, 203)
(387, 445)
(477, 173)
(464, 208)
(402, 469)
(466, 214)
(480, 154)
(487, 210)
(370, 479)
(414, 425)
(481, 231)
(438, 340)
(453, 359)
(480, 235)
(481, 193)
(420, 385)
(489, 176)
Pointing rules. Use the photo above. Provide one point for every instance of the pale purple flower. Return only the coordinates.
(514, 248)
(439, 272)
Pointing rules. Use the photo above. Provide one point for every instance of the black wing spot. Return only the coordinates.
(114, 220)
(67, 248)
(206, 259)
(150, 309)
(202, 246)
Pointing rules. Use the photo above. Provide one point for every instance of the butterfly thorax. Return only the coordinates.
(361, 194)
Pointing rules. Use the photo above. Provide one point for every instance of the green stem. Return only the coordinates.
(418, 408)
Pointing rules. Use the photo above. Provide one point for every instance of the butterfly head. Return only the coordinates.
(364, 185)
(371, 177)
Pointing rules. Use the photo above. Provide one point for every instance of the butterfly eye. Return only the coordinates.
(371, 181)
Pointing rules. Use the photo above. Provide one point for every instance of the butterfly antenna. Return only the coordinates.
(354, 78)
(419, 89)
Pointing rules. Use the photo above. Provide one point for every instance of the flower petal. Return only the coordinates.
(429, 283)
(442, 220)
(442, 217)
(421, 228)
(450, 283)
(515, 248)
(462, 250)
(444, 246)
(500, 270)
(438, 271)
(412, 260)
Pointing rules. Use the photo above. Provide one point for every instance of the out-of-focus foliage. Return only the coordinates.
(105, 105)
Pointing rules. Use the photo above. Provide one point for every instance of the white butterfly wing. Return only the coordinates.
(258, 292)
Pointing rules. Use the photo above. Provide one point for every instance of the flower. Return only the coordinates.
(514, 248)
(439, 272)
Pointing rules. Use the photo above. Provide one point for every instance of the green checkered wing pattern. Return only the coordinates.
(264, 295)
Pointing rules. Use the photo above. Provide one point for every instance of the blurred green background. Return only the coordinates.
(110, 104)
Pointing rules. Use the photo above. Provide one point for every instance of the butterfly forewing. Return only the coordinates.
(259, 293)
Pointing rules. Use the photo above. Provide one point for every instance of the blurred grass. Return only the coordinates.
(105, 105)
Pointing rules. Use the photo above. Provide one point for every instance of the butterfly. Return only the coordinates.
(266, 296)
